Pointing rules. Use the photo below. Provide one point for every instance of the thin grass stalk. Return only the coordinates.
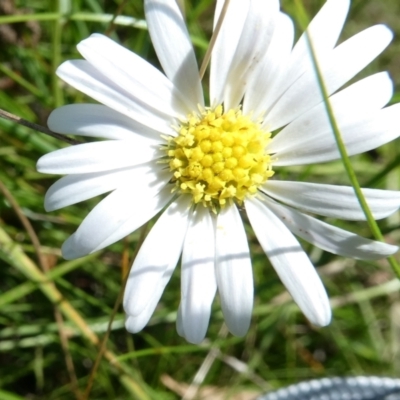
(112, 25)
(56, 55)
(21, 81)
(26, 288)
(21, 121)
(340, 143)
(117, 304)
(214, 37)
(122, 20)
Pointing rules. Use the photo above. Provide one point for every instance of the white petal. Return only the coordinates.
(260, 83)
(324, 30)
(174, 48)
(157, 256)
(97, 157)
(367, 134)
(328, 237)
(225, 46)
(119, 214)
(337, 68)
(290, 262)
(309, 138)
(133, 74)
(251, 48)
(136, 323)
(98, 121)
(198, 282)
(234, 271)
(332, 200)
(86, 78)
(73, 189)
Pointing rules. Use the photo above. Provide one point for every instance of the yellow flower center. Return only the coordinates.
(219, 157)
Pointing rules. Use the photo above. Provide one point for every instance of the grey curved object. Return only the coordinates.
(354, 388)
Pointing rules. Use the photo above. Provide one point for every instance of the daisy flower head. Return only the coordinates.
(199, 164)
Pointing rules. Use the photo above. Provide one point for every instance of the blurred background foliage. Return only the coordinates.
(54, 314)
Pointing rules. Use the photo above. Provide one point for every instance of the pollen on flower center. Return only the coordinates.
(219, 157)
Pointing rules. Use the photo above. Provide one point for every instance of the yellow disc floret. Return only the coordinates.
(219, 157)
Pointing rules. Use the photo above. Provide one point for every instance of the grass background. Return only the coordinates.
(54, 314)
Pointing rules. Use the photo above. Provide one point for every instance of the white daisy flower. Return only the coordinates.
(166, 150)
